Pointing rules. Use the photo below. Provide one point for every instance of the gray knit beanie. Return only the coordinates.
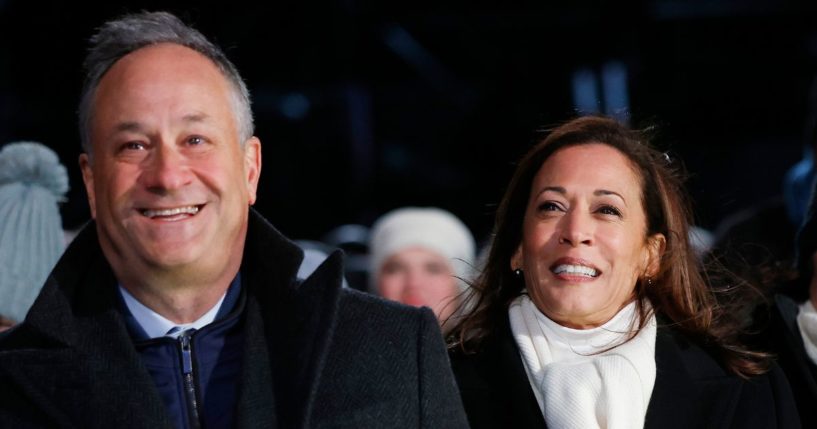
(32, 182)
(427, 227)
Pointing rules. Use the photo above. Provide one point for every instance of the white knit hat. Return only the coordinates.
(32, 182)
(427, 227)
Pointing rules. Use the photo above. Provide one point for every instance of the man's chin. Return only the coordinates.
(172, 260)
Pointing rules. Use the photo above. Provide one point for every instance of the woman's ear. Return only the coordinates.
(517, 259)
(656, 244)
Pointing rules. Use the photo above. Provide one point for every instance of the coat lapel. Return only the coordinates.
(494, 385)
(523, 404)
(787, 341)
(792, 348)
(296, 321)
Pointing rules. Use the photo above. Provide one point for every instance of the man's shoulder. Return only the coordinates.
(362, 306)
(21, 337)
(375, 326)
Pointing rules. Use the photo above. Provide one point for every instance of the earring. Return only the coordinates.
(649, 281)
(517, 273)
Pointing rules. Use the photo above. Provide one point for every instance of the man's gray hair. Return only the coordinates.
(119, 37)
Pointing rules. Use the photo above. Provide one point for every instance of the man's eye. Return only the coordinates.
(195, 140)
(133, 146)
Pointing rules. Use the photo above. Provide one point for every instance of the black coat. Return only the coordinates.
(784, 339)
(691, 389)
(315, 355)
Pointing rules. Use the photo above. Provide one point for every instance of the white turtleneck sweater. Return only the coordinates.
(587, 378)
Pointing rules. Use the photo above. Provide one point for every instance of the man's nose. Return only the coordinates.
(166, 169)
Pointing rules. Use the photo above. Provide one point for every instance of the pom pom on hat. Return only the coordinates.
(32, 181)
(32, 163)
(427, 227)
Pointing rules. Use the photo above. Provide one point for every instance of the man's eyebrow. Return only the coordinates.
(133, 126)
(129, 126)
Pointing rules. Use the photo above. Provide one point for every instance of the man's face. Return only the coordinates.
(169, 183)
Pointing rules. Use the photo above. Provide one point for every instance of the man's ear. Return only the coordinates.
(656, 244)
(517, 258)
(88, 179)
(252, 167)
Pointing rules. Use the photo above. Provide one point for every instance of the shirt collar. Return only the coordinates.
(155, 325)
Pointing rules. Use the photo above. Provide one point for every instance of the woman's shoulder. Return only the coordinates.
(678, 352)
(692, 385)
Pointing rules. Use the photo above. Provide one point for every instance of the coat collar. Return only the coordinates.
(74, 324)
(297, 319)
(791, 351)
(523, 404)
(691, 389)
(493, 382)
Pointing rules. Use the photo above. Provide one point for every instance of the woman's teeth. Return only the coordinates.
(575, 270)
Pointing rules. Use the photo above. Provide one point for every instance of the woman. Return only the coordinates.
(420, 256)
(592, 310)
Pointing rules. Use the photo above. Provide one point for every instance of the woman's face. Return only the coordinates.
(584, 241)
(419, 277)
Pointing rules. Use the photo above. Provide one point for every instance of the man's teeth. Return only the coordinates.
(575, 269)
(191, 210)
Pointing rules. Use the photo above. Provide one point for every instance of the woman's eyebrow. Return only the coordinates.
(602, 192)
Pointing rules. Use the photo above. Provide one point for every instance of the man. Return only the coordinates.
(179, 306)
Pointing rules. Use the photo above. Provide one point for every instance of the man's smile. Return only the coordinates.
(171, 213)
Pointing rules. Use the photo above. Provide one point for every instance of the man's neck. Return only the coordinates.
(154, 325)
(180, 305)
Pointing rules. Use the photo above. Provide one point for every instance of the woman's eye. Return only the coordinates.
(609, 210)
(549, 206)
(391, 268)
(435, 268)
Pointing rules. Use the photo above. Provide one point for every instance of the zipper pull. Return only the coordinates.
(187, 357)
(189, 383)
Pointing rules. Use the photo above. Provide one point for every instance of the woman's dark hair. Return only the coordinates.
(678, 292)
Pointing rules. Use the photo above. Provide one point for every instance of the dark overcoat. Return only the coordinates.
(784, 339)
(691, 389)
(315, 355)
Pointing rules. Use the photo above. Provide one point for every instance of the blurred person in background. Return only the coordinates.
(32, 184)
(788, 322)
(593, 310)
(755, 242)
(421, 256)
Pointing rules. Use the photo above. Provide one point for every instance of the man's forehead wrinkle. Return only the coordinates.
(196, 117)
(187, 118)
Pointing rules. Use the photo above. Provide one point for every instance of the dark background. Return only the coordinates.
(363, 106)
